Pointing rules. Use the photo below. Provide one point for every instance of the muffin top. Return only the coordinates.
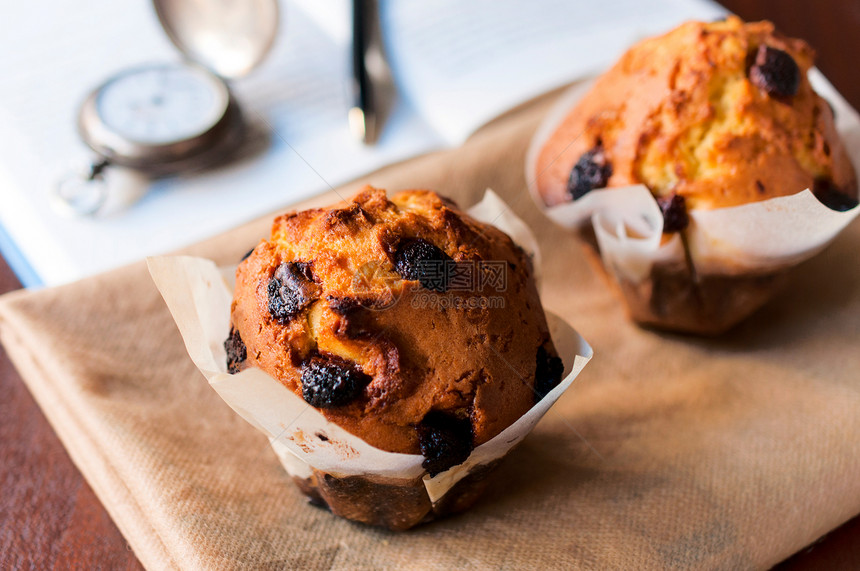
(708, 115)
(403, 320)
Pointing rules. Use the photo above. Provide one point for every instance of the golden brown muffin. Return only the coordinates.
(709, 115)
(403, 320)
(718, 113)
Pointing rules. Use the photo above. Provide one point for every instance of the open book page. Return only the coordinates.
(463, 63)
(56, 52)
(457, 65)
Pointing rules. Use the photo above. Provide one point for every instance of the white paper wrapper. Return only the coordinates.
(758, 237)
(199, 295)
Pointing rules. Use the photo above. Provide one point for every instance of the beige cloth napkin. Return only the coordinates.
(669, 452)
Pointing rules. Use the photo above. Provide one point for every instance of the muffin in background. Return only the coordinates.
(707, 116)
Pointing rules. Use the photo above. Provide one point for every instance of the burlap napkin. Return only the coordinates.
(670, 452)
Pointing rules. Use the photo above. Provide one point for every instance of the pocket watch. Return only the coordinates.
(166, 118)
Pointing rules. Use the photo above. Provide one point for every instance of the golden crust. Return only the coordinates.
(679, 113)
(476, 362)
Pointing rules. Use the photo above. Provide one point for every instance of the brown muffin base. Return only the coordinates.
(395, 504)
(676, 298)
(672, 299)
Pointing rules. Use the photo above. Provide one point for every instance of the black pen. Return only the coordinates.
(362, 115)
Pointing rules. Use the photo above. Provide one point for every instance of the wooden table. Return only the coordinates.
(49, 516)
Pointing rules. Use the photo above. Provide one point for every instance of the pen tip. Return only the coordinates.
(357, 124)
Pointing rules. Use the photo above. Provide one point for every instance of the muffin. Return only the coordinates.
(708, 116)
(407, 323)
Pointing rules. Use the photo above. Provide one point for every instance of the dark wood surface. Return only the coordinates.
(49, 516)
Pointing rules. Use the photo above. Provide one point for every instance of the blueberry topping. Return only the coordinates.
(775, 72)
(444, 440)
(418, 259)
(290, 290)
(236, 351)
(674, 209)
(591, 171)
(548, 372)
(330, 382)
(830, 195)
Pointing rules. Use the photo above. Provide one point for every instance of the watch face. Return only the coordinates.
(162, 104)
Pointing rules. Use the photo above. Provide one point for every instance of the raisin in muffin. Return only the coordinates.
(403, 320)
(709, 115)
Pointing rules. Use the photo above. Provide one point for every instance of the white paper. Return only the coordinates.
(56, 52)
(756, 237)
(199, 298)
(457, 65)
(462, 63)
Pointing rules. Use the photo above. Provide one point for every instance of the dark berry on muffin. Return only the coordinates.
(674, 209)
(548, 372)
(290, 290)
(236, 352)
(832, 197)
(418, 259)
(591, 171)
(775, 72)
(445, 441)
(330, 382)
